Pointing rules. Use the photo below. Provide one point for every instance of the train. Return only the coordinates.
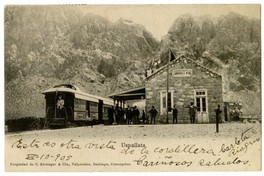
(67, 105)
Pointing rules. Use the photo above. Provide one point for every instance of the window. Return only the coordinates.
(163, 99)
(79, 109)
(94, 107)
(200, 93)
(93, 110)
(105, 111)
(201, 100)
(198, 104)
(166, 101)
(79, 105)
(204, 104)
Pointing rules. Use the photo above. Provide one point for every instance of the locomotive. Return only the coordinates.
(67, 105)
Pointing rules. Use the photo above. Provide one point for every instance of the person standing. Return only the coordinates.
(121, 115)
(60, 103)
(128, 115)
(153, 113)
(132, 115)
(60, 106)
(196, 115)
(192, 112)
(143, 117)
(136, 113)
(175, 115)
(218, 112)
(116, 118)
(111, 115)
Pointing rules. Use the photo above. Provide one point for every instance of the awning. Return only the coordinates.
(131, 94)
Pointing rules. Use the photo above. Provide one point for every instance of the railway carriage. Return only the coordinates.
(67, 105)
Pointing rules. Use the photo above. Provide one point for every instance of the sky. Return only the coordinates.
(158, 18)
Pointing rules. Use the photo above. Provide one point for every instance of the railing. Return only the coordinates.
(51, 113)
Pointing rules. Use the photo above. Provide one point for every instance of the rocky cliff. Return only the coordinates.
(229, 45)
(49, 45)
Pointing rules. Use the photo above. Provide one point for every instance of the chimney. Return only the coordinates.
(148, 72)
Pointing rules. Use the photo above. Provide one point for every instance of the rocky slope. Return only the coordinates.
(49, 45)
(229, 45)
(45, 46)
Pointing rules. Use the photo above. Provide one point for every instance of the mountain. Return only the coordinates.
(229, 45)
(49, 45)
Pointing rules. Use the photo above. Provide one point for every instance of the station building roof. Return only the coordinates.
(130, 94)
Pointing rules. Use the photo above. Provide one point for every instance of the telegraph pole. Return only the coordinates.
(169, 58)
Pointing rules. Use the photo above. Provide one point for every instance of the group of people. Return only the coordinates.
(130, 115)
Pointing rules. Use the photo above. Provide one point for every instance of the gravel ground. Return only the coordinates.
(175, 131)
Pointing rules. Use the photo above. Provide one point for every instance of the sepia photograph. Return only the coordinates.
(132, 88)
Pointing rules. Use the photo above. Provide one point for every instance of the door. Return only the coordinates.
(201, 103)
(100, 111)
(60, 106)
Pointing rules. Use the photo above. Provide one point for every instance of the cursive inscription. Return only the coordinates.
(21, 145)
(71, 144)
(241, 144)
(147, 163)
(192, 149)
(220, 162)
(109, 145)
(179, 155)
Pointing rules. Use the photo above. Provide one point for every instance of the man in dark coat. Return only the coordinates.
(121, 113)
(175, 114)
(218, 112)
(192, 112)
(117, 113)
(143, 117)
(111, 115)
(136, 114)
(128, 115)
(153, 113)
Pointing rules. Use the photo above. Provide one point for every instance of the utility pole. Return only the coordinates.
(169, 58)
(217, 124)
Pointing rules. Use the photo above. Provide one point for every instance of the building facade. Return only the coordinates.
(179, 83)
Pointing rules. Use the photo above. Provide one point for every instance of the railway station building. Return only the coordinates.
(180, 82)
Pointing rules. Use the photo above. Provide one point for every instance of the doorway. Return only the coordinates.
(201, 102)
(100, 111)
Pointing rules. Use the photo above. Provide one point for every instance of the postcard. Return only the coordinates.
(132, 88)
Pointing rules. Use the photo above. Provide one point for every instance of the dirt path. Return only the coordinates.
(175, 131)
